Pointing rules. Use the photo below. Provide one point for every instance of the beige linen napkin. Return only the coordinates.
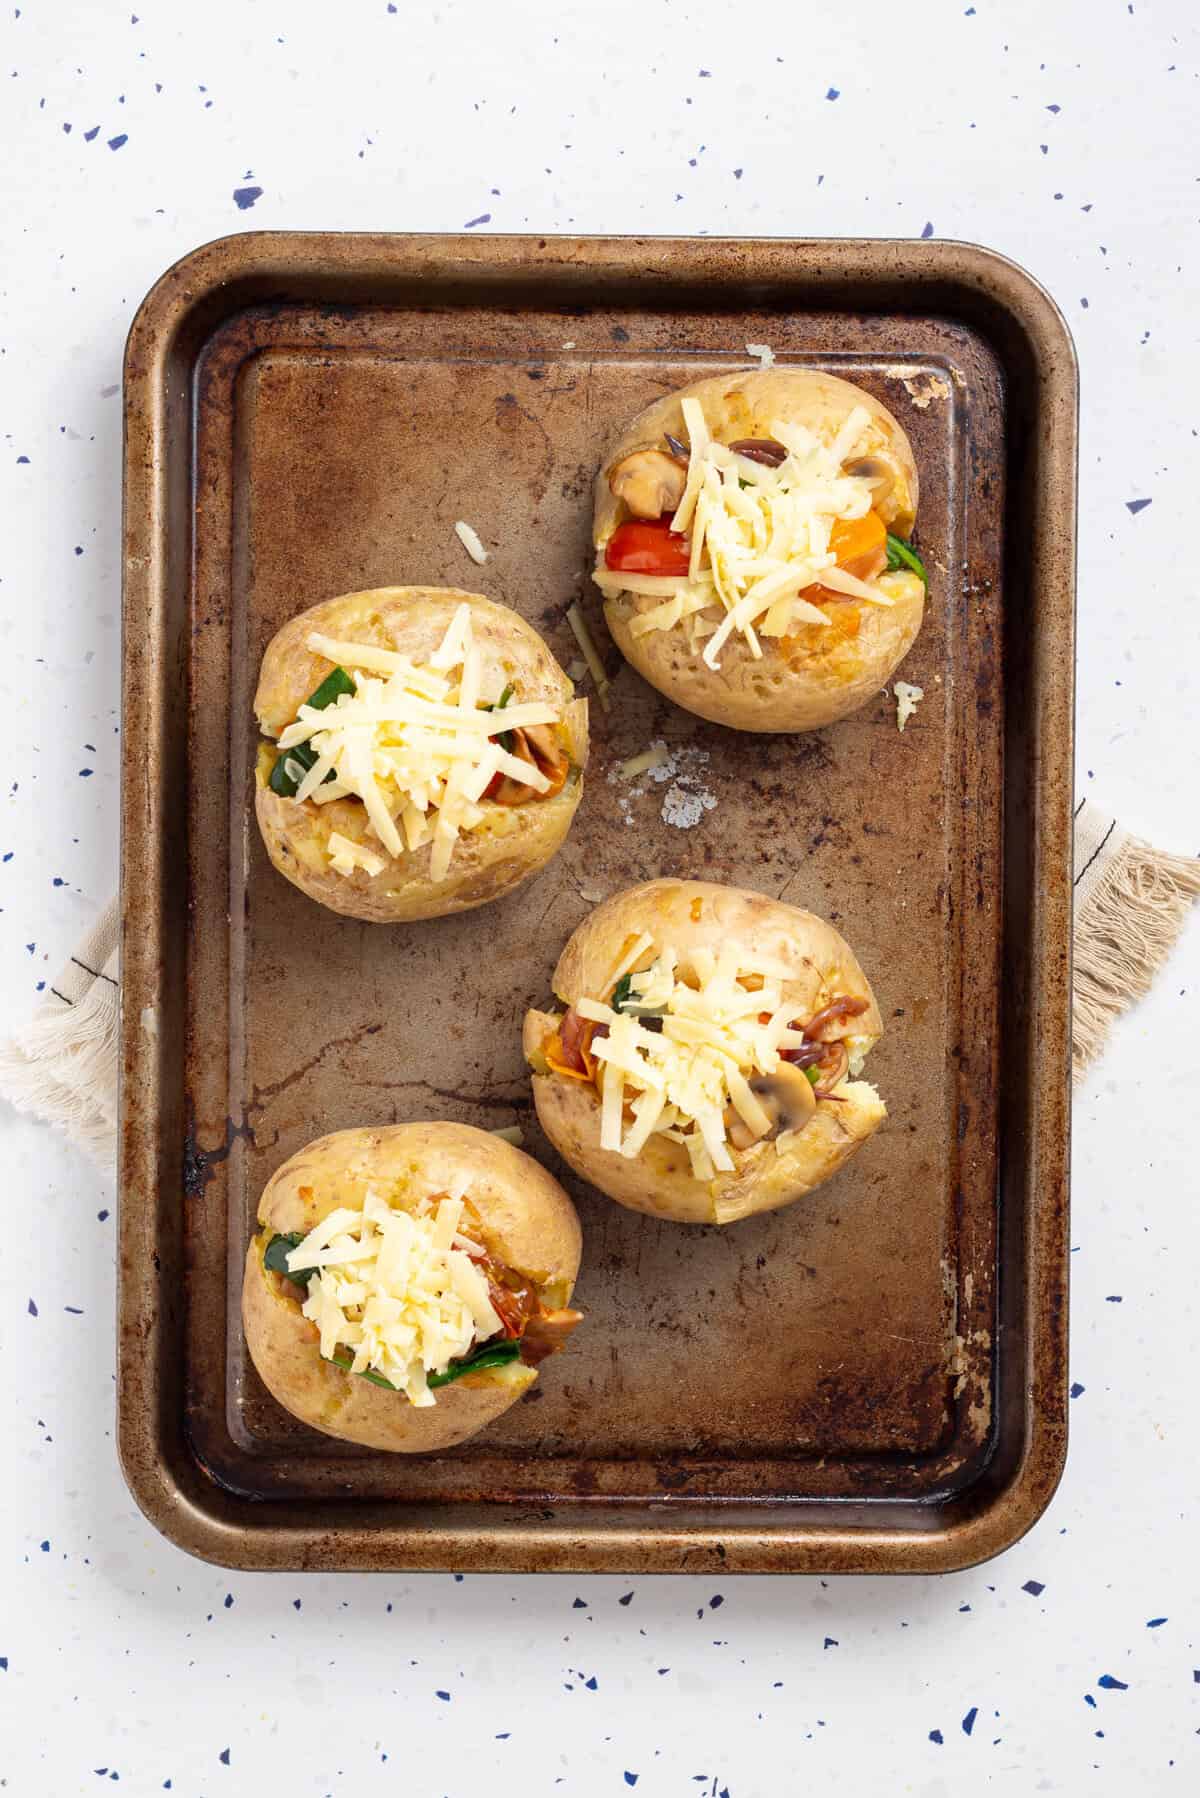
(1131, 902)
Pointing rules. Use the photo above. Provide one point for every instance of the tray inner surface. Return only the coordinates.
(842, 1347)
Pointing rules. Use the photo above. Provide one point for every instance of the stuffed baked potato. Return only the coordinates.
(388, 788)
(406, 1282)
(704, 1064)
(751, 540)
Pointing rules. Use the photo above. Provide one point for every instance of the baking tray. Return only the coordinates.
(873, 1379)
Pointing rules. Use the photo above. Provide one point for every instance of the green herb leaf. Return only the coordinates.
(345, 1359)
(902, 555)
(331, 689)
(494, 1354)
(812, 1075)
(278, 1250)
(304, 756)
(625, 999)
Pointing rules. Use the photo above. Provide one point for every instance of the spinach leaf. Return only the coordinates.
(304, 756)
(278, 1250)
(902, 555)
(493, 1354)
(625, 999)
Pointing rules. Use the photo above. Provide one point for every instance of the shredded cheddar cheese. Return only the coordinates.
(724, 1019)
(399, 1292)
(413, 743)
(759, 537)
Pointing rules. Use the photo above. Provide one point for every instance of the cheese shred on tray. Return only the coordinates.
(759, 533)
(421, 746)
(398, 1295)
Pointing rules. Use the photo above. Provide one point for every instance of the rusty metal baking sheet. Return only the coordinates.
(873, 1378)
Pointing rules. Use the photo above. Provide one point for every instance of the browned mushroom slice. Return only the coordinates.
(787, 1098)
(649, 481)
(536, 745)
(760, 449)
(546, 1333)
(870, 468)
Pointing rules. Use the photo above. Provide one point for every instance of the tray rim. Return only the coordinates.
(163, 1475)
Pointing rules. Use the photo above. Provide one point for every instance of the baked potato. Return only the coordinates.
(704, 1065)
(751, 540)
(431, 812)
(406, 1282)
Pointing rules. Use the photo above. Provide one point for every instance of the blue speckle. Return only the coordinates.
(833, 93)
(1034, 1587)
(229, 1601)
(3, 1663)
(46, 1546)
(716, 1601)
(31, 947)
(73, 1310)
(444, 1696)
(579, 1604)
(927, 229)
(102, 1215)
(391, 8)
(32, 1309)
(58, 881)
(831, 1642)
(119, 142)
(1053, 108)
(1137, 505)
(592, 1684)
(968, 1722)
(1088, 1699)
(627, 1599)
(24, 459)
(485, 218)
(1114, 1298)
(1155, 1622)
(1077, 1390)
(1111, 1683)
(631, 1779)
(295, 1604)
(935, 1735)
(86, 773)
(244, 197)
(223, 1757)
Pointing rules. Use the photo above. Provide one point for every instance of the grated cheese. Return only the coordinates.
(346, 855)
(591, 655)
(654, 757)
(764, 353)
(399, 1291)
(684, 1080)
(908, 698)
(412, 742)
(509, 1133)
(759, 536)
(469, 538)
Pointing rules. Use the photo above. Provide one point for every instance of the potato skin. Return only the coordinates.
(513, 843)
(823, 676)
(530, 1224)
(691, 914)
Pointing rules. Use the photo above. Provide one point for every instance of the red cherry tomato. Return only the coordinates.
(647, 546)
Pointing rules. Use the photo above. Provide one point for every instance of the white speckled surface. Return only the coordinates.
(1063, 134)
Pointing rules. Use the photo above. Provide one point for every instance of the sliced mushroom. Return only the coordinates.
(760, 449)
(535, 744)
(649, 481)
(787, 1098)
(880, 476)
